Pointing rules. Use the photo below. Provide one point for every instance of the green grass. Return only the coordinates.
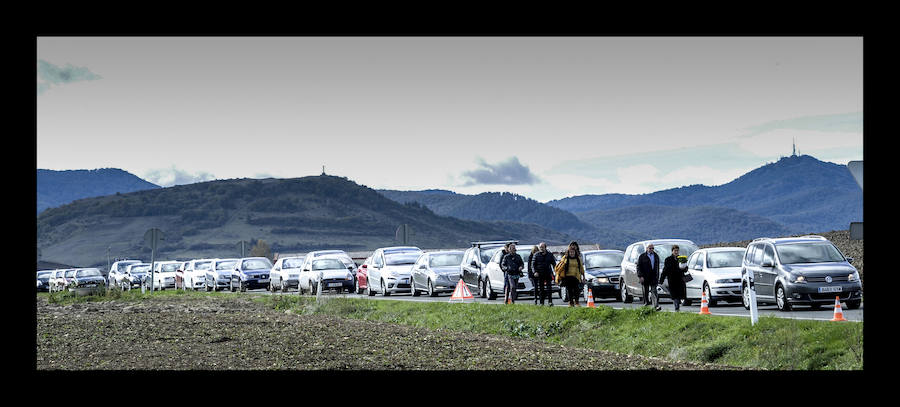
(773, 343)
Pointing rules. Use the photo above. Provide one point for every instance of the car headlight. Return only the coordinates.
(853, 277)
(800, 279)
(602, 280)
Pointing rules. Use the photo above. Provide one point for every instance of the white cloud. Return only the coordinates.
(167, 177)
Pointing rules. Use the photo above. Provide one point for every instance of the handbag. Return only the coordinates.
(687, 277)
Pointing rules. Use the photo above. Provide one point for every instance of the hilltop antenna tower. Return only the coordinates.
(795, 147)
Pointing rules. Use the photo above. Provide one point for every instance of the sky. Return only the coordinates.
(544, 117)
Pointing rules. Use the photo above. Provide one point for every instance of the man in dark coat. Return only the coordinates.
(671, 269)
(648, 273)
(541, 266)
(514, 266)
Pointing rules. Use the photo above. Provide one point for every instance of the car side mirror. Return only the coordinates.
(768, 264)
(365, 266)
(850, 260)
(473, 264)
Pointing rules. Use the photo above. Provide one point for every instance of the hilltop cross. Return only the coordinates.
(323, 170)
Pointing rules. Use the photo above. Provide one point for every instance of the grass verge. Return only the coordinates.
(773, 343)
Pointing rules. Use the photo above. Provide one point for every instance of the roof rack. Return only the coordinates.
(761, 238)
(501, 242)
(814, 237)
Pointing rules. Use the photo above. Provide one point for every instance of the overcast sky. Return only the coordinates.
(545, 117)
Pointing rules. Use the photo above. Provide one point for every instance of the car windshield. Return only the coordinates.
(486, 254)
(141, 269)
(401, 258)
(122, 266)
(169, 268)
(327, 264)
(88, 273)
(808, 253)
(256, 264)
(292, 263)
(445, 259)
(225, 265)
(595, 260)
(202, 265)
(664, 250)
(45, 274)
(724, 259)
(327, 252)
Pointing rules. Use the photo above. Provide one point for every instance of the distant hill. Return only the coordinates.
(799, 192)
(505, 206)
(55, 188)
(297, 215)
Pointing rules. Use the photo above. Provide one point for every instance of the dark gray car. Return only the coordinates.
(807, 270)
(629, 284)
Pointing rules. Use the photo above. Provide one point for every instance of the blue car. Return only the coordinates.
(250, 273)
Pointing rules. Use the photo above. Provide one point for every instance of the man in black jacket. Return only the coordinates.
(541, 267)
(513, 265)
(648, 273)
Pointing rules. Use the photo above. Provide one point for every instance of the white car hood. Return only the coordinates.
(725, 272)
(404, 270)
(334, 273)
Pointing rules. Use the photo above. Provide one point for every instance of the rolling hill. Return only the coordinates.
(209, 219)
(55, 188)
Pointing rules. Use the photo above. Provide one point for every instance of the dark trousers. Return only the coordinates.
(650, 295)
(571, 284)
(543, 287)
(512, 283)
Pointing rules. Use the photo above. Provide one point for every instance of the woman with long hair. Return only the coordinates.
(570, 272)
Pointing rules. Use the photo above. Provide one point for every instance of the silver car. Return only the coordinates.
(218, 275)
(391, 268)
(630, 284)
(436, 272)
(87, 281)
(716, 271)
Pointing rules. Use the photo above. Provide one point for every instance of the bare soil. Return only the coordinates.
(235, 333)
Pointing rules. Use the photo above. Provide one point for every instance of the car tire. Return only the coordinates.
(369, 291)
(854, 304)
(412, 288)
(781, 300)
(481, 292)
(710, 301)
(489, 291)
(745, 297)
(431, 292)
(313, 289)
(623, 293)
(384, 292)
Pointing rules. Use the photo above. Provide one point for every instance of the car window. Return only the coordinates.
(692, 261)
(292, 263)
(768, 255)
(224, 265)
(379, 262)
(88, 273)
(487, 254)
(327, 264)
(203, 265)
(171, 267)
(256, 264)
(594, 260)
(757, 255)
(724, 259)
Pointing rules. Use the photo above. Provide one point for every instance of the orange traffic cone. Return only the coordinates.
(838, 314)
(590, 299)
(704, 305)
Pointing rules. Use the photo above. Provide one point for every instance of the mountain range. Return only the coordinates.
(796, 194)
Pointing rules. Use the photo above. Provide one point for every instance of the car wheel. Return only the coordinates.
(384, 292)
(313, 289)
(623, 292)
(491, 295)
(854, 304)
(369, 291)
(412, 288)
(481, 292)
(781, 300)
(745, 298)
(709, 300)
(431, 292)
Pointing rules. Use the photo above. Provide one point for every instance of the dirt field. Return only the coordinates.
(209, 333)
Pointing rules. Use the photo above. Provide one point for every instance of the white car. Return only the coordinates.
(717, 271)
(327, 270)
(493, 275)
(218, 275)
(195, 273)
(285, 273)
(391, 269)
(164, 274)
(58, 280)
(117, 272)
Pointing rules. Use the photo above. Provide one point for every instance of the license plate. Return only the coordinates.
(334, 284)
(91, 285)
(834, 289)
(404, 281)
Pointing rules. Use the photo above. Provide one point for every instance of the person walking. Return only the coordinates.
(648, 274)
(504, 251)
(541, 267)
(671, 269)
(570, 273)
(514, 268)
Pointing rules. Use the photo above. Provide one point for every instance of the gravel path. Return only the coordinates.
(237, 334)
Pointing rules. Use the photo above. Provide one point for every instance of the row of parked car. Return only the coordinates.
(806, 270)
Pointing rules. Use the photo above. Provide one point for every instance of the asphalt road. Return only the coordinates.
(825, 313)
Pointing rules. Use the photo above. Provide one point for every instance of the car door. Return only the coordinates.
(375, 271)
(416, 277)
(465, 269)
(752, 268)
(765, 256)
(693, 286)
